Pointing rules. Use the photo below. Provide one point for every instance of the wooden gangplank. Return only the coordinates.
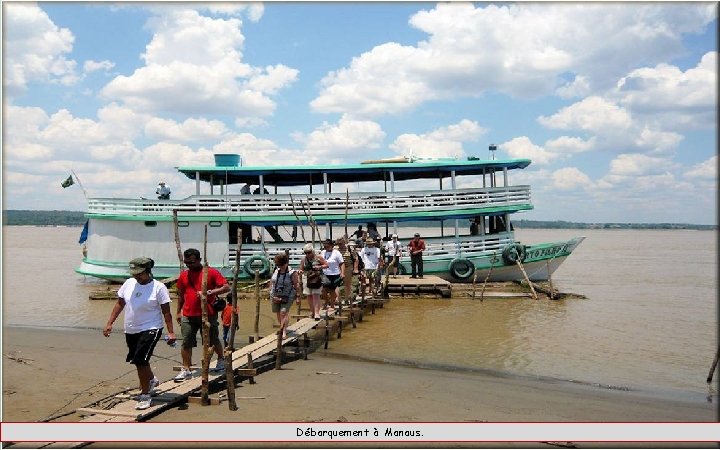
(404, 284)
(171, 393)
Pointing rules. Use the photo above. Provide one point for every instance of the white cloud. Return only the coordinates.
(194, 66)
(34, 48)
(344, 139)
(442, 142)
(578, 87)
(657, 141)
(593, 114)
(706, 170)
(93, 66)
(522, 147)
(569, 144)
(570, 178)
(522, 50)
(189, 130)
(634, 165)
(678, 99)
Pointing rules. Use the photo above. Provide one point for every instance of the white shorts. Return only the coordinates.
(307, 290)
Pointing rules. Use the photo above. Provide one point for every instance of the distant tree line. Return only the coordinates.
(599, 226)
(77, 218)
(43, 218)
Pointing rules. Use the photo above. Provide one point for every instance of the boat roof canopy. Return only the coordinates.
(347, 173)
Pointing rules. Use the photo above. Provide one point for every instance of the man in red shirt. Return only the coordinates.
(189, 309)
(416, 247)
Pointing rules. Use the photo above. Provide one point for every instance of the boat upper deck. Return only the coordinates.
(271, 209)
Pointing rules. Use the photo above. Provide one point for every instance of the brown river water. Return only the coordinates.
(649, 321)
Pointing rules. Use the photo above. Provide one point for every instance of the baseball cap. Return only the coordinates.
(394, 236)
(139, 265)
(417, 234)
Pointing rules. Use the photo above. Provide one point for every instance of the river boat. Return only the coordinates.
(467, 214)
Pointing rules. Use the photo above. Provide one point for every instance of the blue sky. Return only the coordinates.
(615, 103)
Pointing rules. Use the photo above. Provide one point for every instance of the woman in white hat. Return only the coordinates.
(311, 266)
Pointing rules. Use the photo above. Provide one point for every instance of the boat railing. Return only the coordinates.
(439, 247)
(264, 205)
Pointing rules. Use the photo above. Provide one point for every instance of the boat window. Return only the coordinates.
(215, 223)
(150, 223)
(183, 223)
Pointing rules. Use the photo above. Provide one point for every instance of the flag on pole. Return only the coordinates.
(69, 182)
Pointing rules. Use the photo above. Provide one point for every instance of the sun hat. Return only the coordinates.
(370, 240)
(139, 265)
(308, 248)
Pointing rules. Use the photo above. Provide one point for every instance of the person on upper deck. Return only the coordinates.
(163, 191)
(416, 248)
(245, 189)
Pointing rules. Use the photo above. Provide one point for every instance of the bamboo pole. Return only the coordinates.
(177, 239)
(522, 269)
(347, 205)
(204, 399)
(487, 277)
(714, 365)
(302, 230)
(229, 372)
(257, 305)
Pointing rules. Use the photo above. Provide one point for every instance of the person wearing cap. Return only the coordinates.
(189, 310)
(146, 303)
(312, 261)
(163, 191)
(416, 248)
(334, 271)
(393, 252)
(373, 262)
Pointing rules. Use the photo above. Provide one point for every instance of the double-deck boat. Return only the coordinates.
(462, 209)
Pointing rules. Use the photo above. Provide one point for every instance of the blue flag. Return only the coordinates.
(84, 233)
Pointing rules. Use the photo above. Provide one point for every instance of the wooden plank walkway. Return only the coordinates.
(403, 284)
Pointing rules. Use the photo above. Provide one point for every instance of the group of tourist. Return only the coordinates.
(146, 301)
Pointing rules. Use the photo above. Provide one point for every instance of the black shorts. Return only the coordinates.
(335, 281)
(141, 345)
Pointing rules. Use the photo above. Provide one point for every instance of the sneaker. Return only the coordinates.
(184, 374)
(219, 366)
(144, 402)
(154, 383)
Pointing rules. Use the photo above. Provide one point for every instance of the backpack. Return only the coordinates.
(361, 263)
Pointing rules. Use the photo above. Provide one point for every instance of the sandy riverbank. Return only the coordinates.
(49, 371)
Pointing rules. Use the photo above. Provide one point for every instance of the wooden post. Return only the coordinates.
(714, 365)
(250, 366)
(278, 350)
(257, 304)
(532, 289)
(552, 289)
(229, 372)
(207, 349)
